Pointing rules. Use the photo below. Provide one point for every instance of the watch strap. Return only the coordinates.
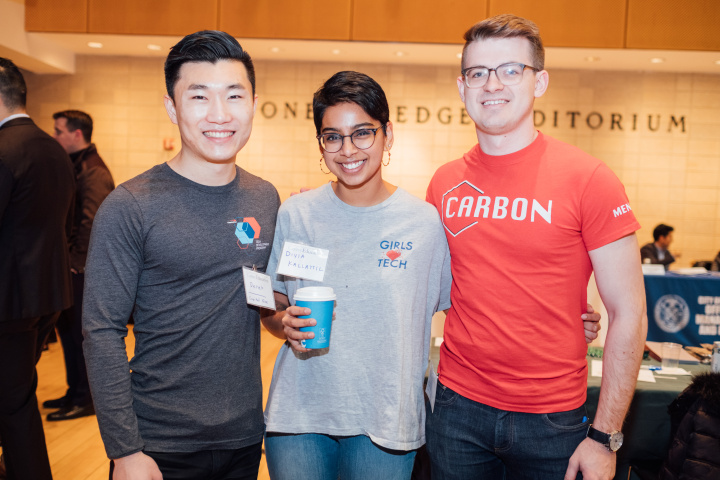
(600, 437)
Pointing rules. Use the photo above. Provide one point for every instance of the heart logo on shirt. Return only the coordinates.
(393, 254)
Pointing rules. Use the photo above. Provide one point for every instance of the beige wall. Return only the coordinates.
(670, 176)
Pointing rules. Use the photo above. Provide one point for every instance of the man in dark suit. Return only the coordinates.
(93, 181)
(36, 195)
(657, 251)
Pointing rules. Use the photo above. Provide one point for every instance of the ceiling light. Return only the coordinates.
(717, 62)
(275, 49)
(657, 60)
(458, 55)
(400, 54)
(336, 52)
(95, 45)
(152, 46)
(592, 59)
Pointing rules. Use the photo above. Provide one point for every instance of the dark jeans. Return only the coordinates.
(21, 430)
(69, 327)
(467, 439)
(240, 464)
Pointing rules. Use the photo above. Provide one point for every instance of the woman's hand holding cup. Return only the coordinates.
(291, 326)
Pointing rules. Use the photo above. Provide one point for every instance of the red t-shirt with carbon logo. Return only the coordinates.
(519, 228)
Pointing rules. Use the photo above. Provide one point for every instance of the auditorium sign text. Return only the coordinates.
(546, 119)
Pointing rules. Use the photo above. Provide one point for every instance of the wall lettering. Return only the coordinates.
(447, 115)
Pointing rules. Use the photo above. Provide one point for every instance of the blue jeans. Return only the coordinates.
(467, 439)
(313, 456)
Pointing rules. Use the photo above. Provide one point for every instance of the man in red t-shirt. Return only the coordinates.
(528, 219)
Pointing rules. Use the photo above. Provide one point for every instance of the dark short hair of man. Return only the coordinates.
(662, 230)
(351, 87)
(507, 26)
(77, 119)
(13, 90)
(205, 46)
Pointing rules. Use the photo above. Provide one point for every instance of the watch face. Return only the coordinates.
(616, 441)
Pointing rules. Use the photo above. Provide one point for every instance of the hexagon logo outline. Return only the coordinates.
(462, 227)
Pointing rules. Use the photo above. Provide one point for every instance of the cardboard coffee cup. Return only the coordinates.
(321, 302)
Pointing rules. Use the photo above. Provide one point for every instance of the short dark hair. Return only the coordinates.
(507, 26)
(205, 46)
(13, 90)
(662, 230)
(77, 120)
(351, 87)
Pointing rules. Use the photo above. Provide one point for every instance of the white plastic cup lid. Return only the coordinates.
(315, 294)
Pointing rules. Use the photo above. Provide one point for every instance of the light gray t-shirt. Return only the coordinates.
(390, 268)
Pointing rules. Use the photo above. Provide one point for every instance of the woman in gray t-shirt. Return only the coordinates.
(356, 409)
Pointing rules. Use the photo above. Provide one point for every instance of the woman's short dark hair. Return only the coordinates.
(205, 46)
(351, 87)
(13, 90)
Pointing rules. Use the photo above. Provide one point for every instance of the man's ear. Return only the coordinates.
(170, 108)
(542, 79)
(461, 87)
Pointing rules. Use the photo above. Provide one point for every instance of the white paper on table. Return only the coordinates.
(646, 376)
(671, 371)
(438, 341)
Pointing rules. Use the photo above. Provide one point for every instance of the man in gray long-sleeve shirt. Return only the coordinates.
(168, 246)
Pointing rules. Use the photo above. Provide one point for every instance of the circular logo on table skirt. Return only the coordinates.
(672, 313)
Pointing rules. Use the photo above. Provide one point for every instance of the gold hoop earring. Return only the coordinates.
(388, 162)
(321, 169)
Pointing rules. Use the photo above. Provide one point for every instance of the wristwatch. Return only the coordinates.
(612, 441)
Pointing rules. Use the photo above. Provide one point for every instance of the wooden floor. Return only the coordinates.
(74, 446)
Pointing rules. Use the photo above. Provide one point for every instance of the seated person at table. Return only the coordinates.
(715, 265)
(657, 252)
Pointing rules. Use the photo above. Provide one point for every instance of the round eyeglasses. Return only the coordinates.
(362, 138)
(508, 74)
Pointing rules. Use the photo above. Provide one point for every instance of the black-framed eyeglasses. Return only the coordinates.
(362, 138)
(508, 74)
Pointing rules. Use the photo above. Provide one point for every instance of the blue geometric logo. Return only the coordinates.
(247, 229)
(244, 233)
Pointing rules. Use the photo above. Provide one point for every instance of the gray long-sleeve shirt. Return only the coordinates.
(171, 251)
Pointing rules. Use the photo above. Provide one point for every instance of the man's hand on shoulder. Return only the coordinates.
(594, 460)
(591, 324)
(137, 466)
(302, 190)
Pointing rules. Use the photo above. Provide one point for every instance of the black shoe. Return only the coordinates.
(70, 412)
(56, 403)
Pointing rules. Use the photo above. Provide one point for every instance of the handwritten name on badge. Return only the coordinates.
(258, 289)
(303, 261)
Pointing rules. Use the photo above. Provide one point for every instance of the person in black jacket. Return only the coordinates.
(695, 416)
(657, 252)
(73, 130)
(36, 194)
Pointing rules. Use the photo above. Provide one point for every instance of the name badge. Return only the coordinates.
(258, 289)
(303, 261)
